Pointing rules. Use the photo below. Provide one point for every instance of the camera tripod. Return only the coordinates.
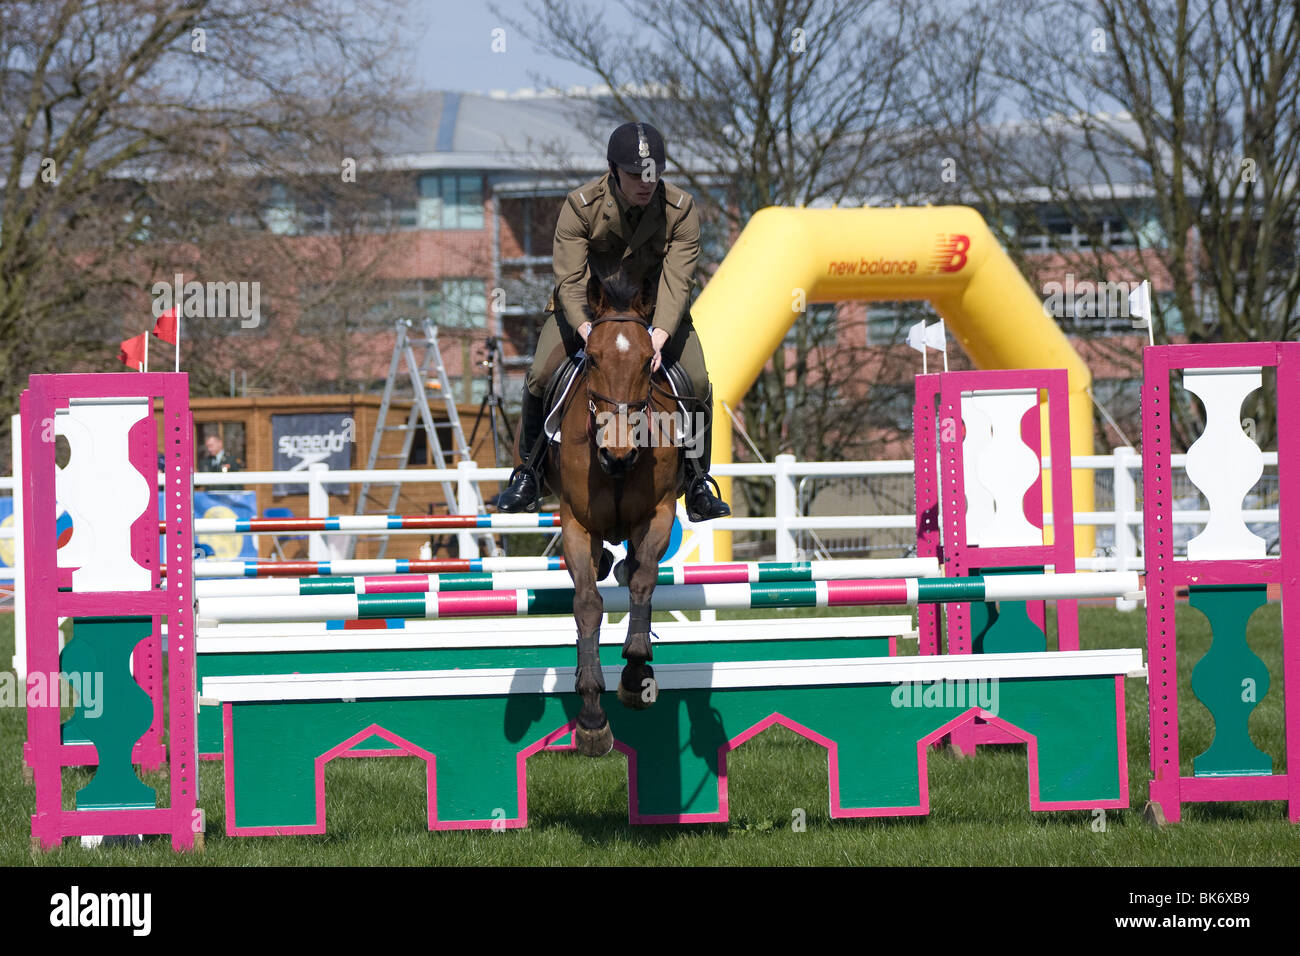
(497, 418)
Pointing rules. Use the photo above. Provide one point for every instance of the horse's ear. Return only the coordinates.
(650, 296)
(595, 296)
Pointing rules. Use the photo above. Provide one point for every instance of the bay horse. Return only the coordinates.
(618, 478)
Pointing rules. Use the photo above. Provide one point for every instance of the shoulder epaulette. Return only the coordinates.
(588, 193)
(675, 197)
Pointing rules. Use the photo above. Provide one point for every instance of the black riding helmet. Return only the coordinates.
(631, 144)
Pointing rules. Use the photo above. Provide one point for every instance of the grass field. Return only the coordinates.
(578, 807)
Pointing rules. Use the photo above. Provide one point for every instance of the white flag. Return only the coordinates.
(1139, 308)
(934, 337)
(1139, 305)
(916, 336)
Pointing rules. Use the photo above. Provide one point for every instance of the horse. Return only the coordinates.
(618, 477)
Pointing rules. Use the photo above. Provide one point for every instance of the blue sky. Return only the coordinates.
(452, 48)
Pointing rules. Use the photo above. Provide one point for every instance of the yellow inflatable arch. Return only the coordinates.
(943, 254)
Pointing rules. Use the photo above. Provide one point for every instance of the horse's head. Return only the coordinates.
(618, 369)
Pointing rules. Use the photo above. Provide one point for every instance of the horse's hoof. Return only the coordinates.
(640, 699)
(593, 743)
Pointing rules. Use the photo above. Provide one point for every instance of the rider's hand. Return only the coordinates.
(584, 330)
(658, 338)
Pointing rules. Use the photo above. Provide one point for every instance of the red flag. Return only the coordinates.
(165, 327)
(132, 351)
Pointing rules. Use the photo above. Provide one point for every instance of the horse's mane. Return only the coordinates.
(617, 293)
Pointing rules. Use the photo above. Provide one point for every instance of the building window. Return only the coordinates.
(1053, 229)
(892, 405)
(819, 324)
(1167, 305)
(888, 322)
(281, 214)
(450, 303)
(468, 395)
(459, 303)
(450, 201)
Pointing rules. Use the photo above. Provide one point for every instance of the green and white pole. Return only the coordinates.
(750, 573)
(524, 602)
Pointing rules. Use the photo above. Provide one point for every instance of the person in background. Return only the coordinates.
(217, 458)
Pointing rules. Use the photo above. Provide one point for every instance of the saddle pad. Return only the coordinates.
(681, 387)
(557, 391)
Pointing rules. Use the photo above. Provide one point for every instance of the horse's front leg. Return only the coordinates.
(637, 687)
(582, 555)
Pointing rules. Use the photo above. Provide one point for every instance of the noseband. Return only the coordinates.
(593, 396)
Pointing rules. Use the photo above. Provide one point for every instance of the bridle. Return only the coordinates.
(593, 396)
(623, 408)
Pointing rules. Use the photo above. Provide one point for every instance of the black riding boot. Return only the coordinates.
(524, 491)
(702, 504)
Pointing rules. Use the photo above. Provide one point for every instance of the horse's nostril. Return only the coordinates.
(614, 464)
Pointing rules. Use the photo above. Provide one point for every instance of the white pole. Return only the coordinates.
(1125, 501)
(786, 508)
(467, 500)
(318, 506)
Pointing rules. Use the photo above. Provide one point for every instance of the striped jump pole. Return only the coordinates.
(748, 573)
(302, 569)
(525, 602)
(356, 524)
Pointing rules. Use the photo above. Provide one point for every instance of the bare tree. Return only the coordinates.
(321, 246)
(135, 133)
(1173, 124)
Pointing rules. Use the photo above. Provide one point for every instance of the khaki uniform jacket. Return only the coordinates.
(592, 237)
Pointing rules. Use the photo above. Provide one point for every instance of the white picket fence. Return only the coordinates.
(787, 523)
(1122, 521)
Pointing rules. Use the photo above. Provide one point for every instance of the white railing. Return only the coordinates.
(1124, 519)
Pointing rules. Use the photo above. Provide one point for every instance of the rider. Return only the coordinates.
(627, 219)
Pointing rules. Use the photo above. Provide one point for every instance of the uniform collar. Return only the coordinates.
(651, 214)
